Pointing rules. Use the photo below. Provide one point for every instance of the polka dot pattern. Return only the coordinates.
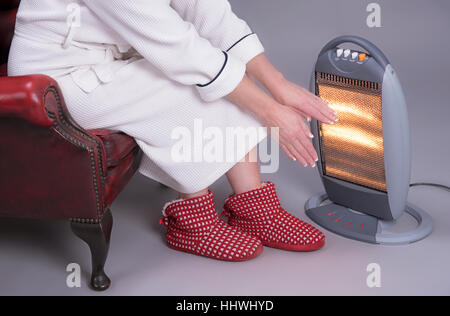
(260, 214)
(193, 226)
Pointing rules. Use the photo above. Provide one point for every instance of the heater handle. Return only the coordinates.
(371, 48)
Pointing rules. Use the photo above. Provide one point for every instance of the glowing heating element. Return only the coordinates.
(352, 149)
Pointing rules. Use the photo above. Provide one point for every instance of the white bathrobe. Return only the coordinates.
(145, 67)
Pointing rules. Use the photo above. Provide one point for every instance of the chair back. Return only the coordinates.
(8, 11)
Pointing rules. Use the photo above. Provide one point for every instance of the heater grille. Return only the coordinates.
(352, 149)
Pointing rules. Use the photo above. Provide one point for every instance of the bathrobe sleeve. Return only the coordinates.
(215, 21)
(172, 45)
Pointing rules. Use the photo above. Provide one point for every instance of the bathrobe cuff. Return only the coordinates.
(247, 48)
(227, 79)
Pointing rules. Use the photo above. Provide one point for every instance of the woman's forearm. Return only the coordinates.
(263, 71)
(249, 96)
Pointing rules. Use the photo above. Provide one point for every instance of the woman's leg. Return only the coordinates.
(186, 196)
(244, 176)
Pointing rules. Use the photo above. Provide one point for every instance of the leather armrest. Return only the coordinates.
(117, 145)
(89, 168)
(37, 99)
(25, 98)
(33, 105)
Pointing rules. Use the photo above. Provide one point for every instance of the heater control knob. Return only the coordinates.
(347, 53)
(362, 57)
(339, 52)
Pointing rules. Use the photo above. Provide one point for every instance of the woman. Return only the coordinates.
(149, 67)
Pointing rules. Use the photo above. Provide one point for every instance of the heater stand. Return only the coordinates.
(354, 225)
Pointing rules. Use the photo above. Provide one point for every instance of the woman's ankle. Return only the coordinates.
(187, 196)
(246, 187)
(244, 176)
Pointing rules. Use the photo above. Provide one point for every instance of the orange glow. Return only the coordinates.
(344, 108)
(352, 135)
(352, 149)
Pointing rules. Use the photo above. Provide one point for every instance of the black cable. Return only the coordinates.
(436, 185)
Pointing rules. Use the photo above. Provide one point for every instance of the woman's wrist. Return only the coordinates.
(249, 96)
(269, 109)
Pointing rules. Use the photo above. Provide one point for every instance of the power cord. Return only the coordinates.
(435, 185)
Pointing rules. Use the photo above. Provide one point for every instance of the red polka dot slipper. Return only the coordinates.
(193, 226)
(259, 214)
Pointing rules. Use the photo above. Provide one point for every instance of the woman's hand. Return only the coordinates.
(304, 102)
(293, 134)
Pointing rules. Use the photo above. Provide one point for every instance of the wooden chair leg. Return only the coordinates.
(97, 236)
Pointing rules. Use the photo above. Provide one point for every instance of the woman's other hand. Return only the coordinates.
(293, 133)
(288, 93)
(306, 103)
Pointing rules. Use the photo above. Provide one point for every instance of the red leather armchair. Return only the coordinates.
(52, 168)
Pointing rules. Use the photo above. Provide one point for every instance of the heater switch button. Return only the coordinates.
(362, 57)
(339, 52)
(347, 53)
(355, 55)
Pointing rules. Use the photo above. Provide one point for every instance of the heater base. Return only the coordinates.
(354, 225)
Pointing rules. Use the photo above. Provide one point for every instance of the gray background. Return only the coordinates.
(414, 36)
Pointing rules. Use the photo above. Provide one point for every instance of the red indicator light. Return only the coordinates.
(331, 214)
(362, 226)
(348, 224)
(338, 220)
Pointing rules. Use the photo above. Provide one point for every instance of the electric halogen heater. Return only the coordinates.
(364, 158)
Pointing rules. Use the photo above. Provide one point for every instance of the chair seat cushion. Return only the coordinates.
(117, 177)
(123, 157)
